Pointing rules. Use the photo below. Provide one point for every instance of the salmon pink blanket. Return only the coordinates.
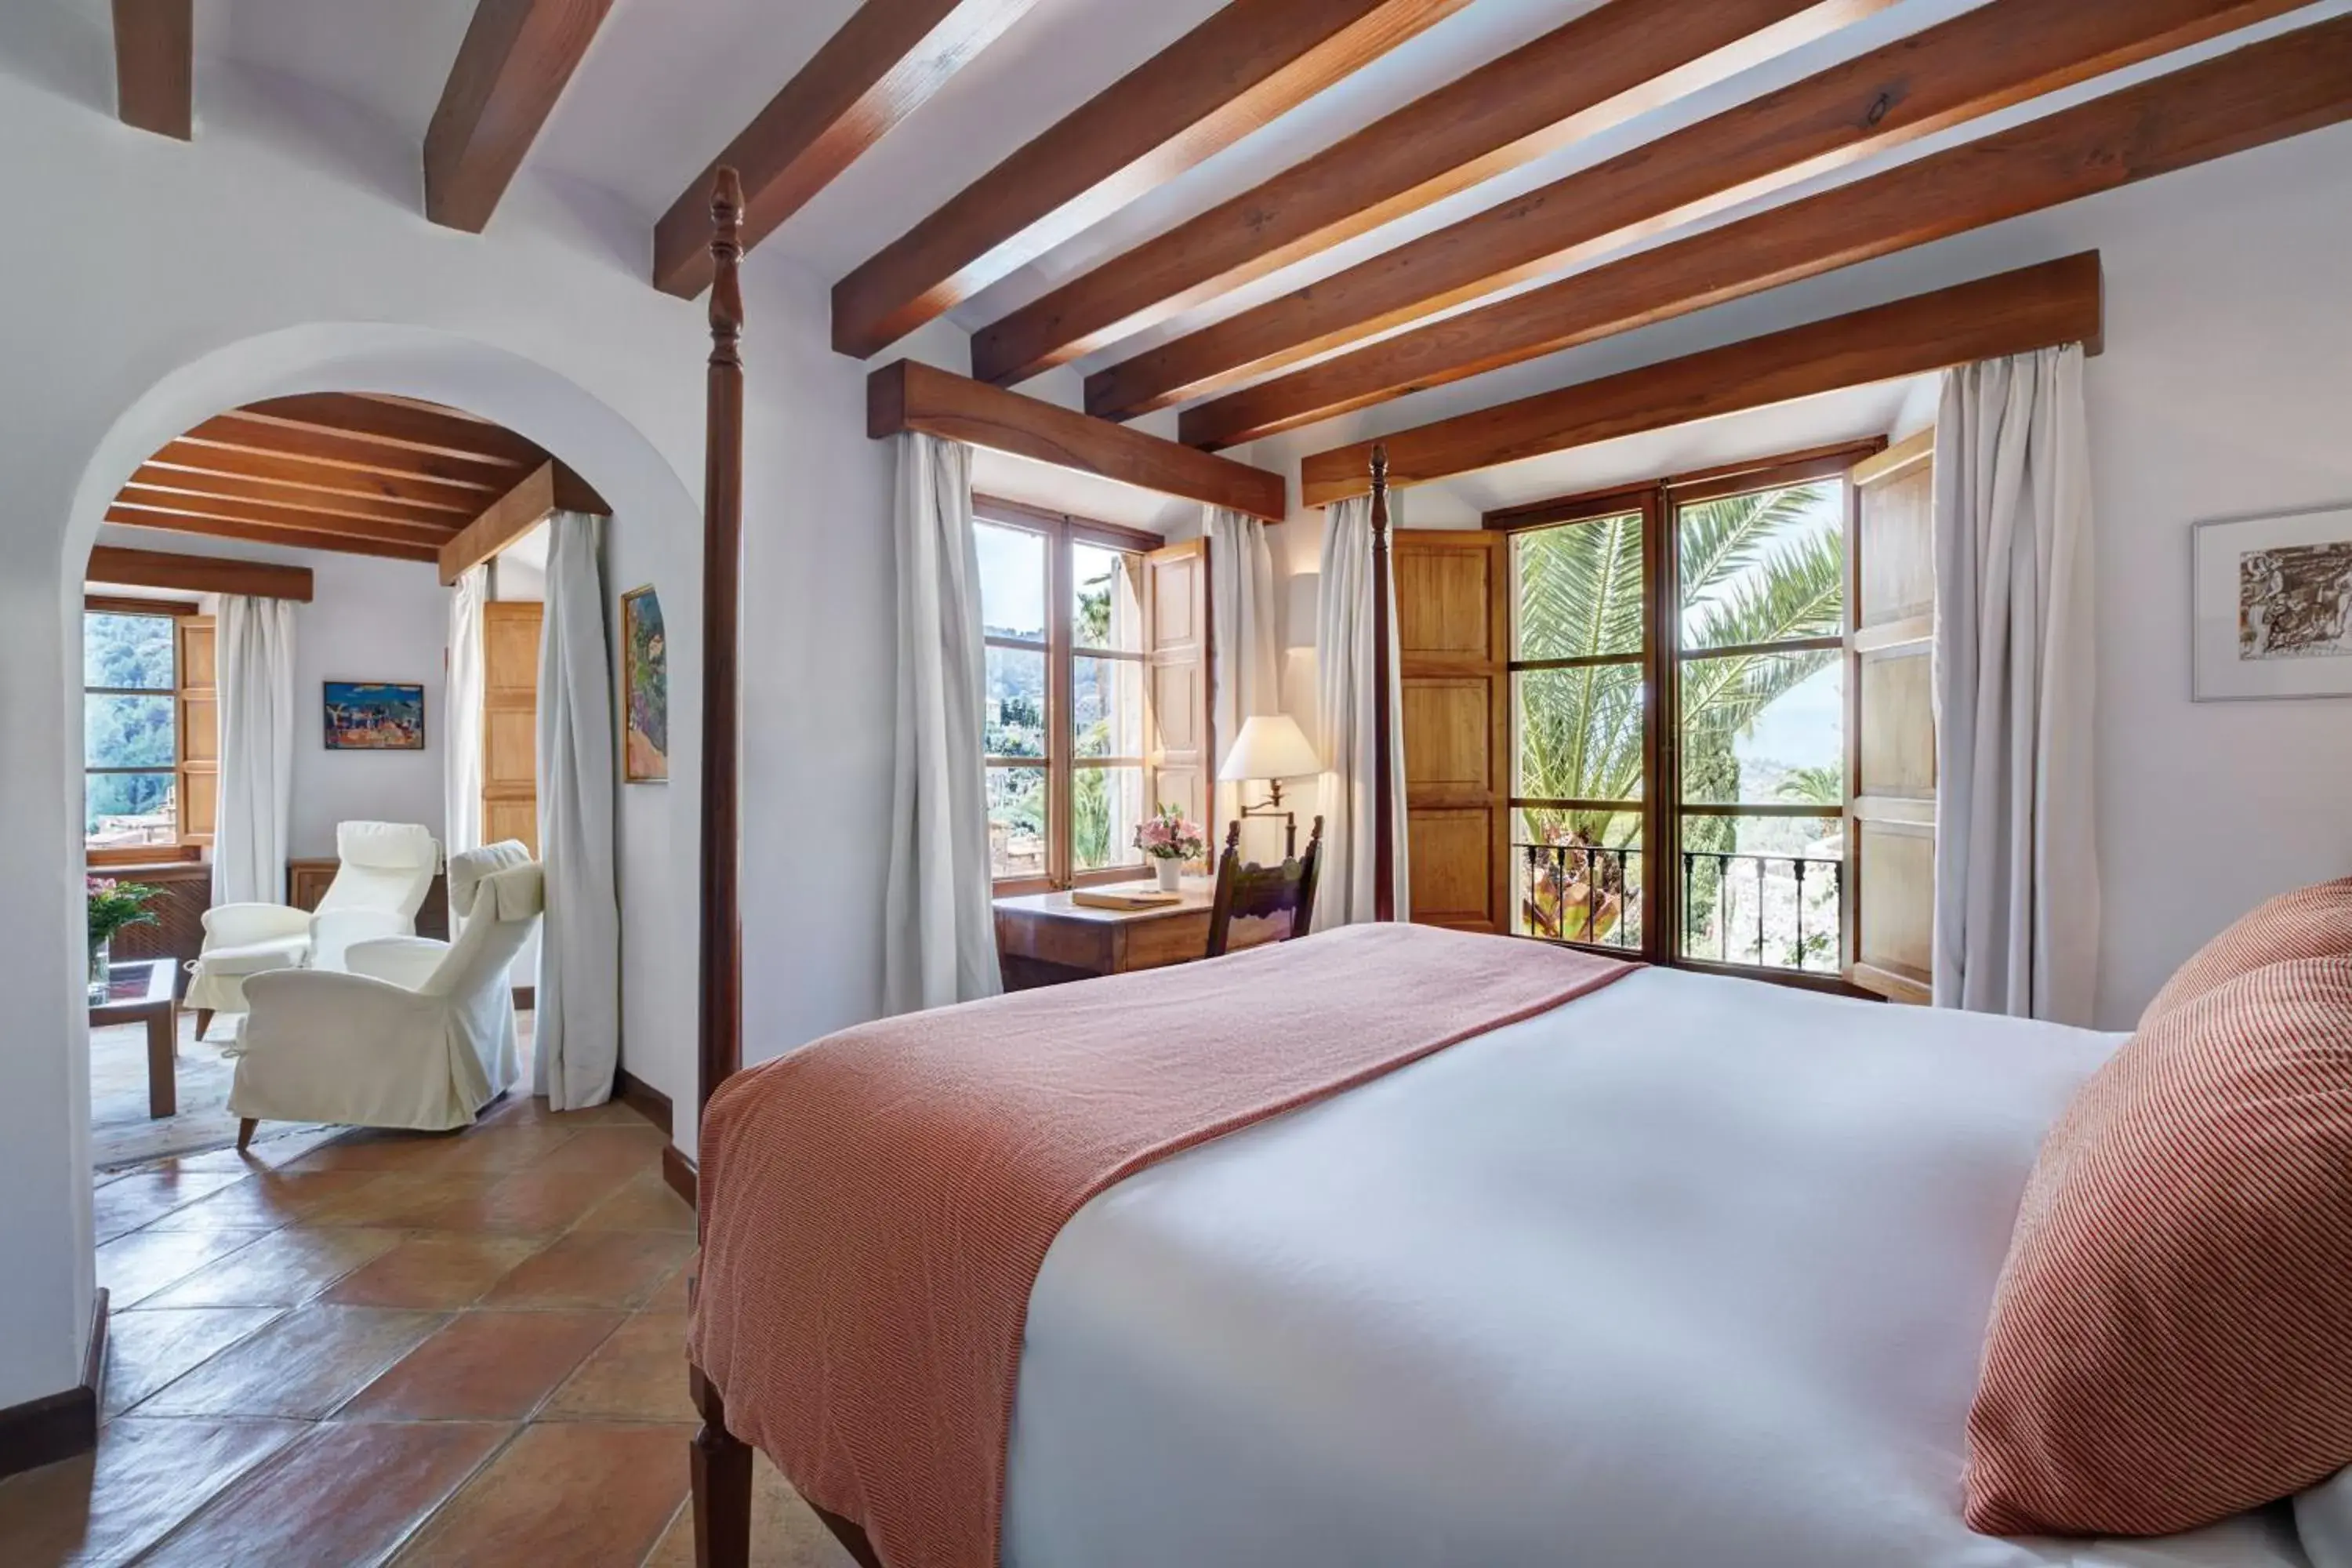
(875, 1206)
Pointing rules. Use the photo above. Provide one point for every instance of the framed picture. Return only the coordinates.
(2273, 606)
(645, 681)
(375, 716)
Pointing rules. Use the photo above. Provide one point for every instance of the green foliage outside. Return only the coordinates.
(128, 730)
(1751, 573)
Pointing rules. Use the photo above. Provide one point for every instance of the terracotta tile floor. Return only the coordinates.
(395, 1348)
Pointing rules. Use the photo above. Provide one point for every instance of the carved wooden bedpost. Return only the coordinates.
(721, 1011)
(721, 1464)
(1383, 719)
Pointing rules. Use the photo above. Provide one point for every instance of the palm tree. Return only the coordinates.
(1751, 573)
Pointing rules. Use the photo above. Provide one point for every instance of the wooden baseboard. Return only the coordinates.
(679, 1173)
(59, 1425)
(644, 1099)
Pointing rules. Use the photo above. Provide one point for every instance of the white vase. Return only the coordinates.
(1169, 871)
(101, 956)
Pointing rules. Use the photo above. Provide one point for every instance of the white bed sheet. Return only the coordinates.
(1691, 1271)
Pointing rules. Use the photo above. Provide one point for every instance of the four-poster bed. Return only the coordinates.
(1508, 1247)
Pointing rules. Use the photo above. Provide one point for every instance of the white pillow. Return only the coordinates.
(2322, 1516)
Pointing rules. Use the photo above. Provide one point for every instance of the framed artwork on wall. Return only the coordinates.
(644, 689)
(375, 716)
(2273, 606)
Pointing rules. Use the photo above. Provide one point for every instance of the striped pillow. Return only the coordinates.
(2171, 1341)
(2310, 922)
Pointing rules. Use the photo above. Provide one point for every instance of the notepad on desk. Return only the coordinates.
(1111, 898)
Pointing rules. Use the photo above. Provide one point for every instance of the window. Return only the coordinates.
(1678, 721)
(131, 750)
(1062, 605)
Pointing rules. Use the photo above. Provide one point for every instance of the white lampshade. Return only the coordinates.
(1270, 746)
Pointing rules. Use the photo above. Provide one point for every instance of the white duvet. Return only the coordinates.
(1690, 1271)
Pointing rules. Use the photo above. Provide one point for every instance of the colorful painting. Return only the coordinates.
(2273, 606)
(644, 669)
(375, 716)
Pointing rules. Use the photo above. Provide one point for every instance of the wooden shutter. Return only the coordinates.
(510, 722)
(1178, 755)
(1890, 828)
(1452, 599)
(198, 790)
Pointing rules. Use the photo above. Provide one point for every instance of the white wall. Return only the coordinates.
(2225, 390)
(166, 281)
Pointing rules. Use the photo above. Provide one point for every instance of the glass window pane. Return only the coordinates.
(129, 808)
(1764, 729)
(1012, 581)
(1580, 732)
(1016, 822)
(1017, 702)
(1107, 610)
(127, 650)
(1578, 589)
(1764, 566)
(1107, 707)
(1579, 876)
(128, 731)
(1766, 891)
(1104, 805)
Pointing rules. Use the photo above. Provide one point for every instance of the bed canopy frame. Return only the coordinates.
(721, 1462)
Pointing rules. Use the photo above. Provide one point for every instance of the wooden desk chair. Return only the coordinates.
(1256, 891)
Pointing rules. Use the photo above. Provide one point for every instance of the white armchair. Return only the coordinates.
(387, 868)
(417, 1034)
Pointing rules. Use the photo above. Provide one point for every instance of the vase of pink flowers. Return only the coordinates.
(112, 906)
(1168, 838)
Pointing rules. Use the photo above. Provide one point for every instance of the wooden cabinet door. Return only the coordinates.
(1179, 755)
(1454, 644)
(510, 722)
(1890, 827)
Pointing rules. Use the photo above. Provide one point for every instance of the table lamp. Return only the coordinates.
(1271, 747)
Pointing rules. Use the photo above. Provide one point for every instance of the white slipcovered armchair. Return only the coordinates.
(418, 1034)
(387, 868)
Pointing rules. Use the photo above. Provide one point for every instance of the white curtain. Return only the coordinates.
(1245, 653)
(1343, 656)
(254, 664)
(2017, 872)
(939, 937)
(461, 722)
(577, 1037)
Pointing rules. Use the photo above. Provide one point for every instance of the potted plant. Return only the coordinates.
(1169, 839)
(112, 906)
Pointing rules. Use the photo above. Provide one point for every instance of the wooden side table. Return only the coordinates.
(1044, 938)
(148, 993)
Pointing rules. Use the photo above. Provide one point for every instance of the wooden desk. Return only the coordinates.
(1044, 938)
(148, 993)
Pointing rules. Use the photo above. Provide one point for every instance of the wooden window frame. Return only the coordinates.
(1061, 531)
(1659, 660)
(180, 850)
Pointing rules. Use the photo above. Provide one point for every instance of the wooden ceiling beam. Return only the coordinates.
(351, 453)
(117, 567)
(2014, 312)
(163, 485)
(516, 59)
(260, 516)
(2282, 87)
(907, 395)
(2000, 54)
(1250, 61)
(155, 66)
(218, 528)
(1607, 66)
(545, 491)
(300, 479)
(409, 426)
(885, 62)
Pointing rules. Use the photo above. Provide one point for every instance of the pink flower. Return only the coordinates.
(1168, 835)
